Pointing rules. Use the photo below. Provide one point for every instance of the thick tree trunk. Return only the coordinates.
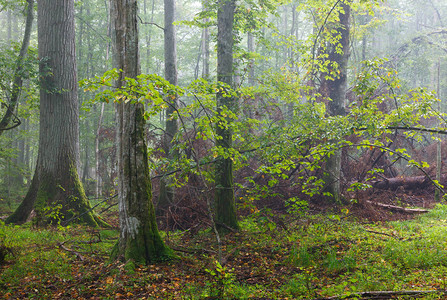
(59, 182)
(60, 195)
(139, 239)
(225, 204)
(167, 192)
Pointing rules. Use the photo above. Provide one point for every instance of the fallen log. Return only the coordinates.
(399, 208)
(408, 183)
(384, 294)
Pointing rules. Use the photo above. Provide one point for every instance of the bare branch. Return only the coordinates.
(150, 23)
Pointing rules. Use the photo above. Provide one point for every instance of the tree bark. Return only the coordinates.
(139, 239)
(98, 184)
(60, 194)
(225, 204)
(334, 89)
(167, 192)
(206, 52)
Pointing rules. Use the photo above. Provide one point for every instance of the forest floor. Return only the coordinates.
(337, 255)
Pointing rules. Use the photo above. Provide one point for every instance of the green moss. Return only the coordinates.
(63, 199)
(146, 246)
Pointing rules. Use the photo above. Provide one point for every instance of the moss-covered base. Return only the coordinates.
(142, 250)
(58, 199)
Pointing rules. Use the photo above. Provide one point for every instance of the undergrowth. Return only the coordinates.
(317, 256)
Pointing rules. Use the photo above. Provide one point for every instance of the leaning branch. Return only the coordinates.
(410, 128)
(18, 80)
(150, 23)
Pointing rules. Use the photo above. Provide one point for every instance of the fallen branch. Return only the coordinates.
(383, 233)
(193, 251)
(78, 255)
(383, 294)
(399, 208)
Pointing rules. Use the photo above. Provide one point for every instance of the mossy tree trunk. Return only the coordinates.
(335, 90)
(139, 239)
(224, 202)
(59, 195)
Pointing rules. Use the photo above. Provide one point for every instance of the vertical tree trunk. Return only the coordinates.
(149, 35)
(9, 22)
(206, 52)
(167, 192)
(251, 64)
(335, 90)
(18, 81)
(98, 187)
(57, 193)
(439, 142)
(225, 204)
(139, 239)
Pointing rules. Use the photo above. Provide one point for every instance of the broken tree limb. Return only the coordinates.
(78, 255)
(399, 208)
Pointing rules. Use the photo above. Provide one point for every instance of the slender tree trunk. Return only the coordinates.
(251, 65)
(167, 192)
(335, 90)
(206, 52)
(439, 142)
(98, 190)
(139, 239)
(225, 204)
(9, 22)
(149, 36)
(18, 81)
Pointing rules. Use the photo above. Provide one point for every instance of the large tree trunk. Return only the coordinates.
(59, 182)
(225, 204)
(139, 239)
(60, 195)
(167, 191)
